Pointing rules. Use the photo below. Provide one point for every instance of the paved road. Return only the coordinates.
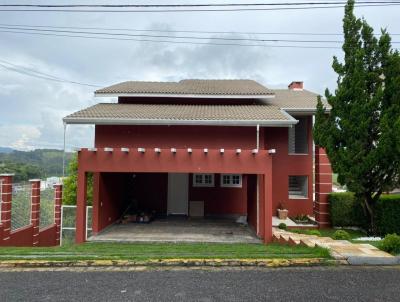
(290, 284)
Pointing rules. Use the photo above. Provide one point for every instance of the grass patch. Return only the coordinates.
(147, 251)
(329, 232)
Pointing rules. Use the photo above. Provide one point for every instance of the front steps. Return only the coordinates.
(356, 254)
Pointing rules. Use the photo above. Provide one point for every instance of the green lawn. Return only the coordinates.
(329, 232)
(147, 251)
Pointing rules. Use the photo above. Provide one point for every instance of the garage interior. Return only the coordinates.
(168, 207)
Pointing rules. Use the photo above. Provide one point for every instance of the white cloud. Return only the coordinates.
(32, 109)
(20, 137)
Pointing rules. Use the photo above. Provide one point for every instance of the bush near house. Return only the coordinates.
(282, 226)
(341, 235)
(391, 244)
(388, 214)
(346, 211)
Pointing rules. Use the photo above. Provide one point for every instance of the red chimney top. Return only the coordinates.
(296, 85)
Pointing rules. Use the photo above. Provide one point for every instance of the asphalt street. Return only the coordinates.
(281, 284)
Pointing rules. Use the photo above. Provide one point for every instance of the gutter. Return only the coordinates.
(110, 121)
(303, 110)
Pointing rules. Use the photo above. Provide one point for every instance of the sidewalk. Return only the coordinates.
(354, 254)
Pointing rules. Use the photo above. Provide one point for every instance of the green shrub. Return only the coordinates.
(387, 214)
(345, 210)
(301, 217)
(313, 232)
(391, 244)
(341, 235)
(282, 226)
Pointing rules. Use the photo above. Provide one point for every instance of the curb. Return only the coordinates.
(173, 263)
(358, 260)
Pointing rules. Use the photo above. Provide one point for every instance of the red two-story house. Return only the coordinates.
(222, 148)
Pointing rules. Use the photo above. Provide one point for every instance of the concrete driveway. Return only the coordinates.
(179, 230)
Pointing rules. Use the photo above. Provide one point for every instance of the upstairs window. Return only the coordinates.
(298, 137)
(298, 187)
(203, 180)
(231, 180)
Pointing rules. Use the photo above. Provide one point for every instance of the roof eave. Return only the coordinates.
(181, 95)
(303, 110)
(108, 121)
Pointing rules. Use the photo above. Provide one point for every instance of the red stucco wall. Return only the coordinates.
(215, 137)
(220, 200)
(48, 236)
(176, 136)
(285, 165)
(21, 237)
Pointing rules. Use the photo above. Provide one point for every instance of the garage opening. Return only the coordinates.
(174, 207)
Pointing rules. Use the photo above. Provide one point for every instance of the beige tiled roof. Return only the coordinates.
(295, 99)
(180, 114)
(189, 87)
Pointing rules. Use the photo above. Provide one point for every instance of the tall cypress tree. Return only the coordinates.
(361, 134)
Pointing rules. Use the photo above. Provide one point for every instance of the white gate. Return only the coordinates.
(68, 220)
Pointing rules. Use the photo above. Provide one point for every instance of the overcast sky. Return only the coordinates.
(32, 109)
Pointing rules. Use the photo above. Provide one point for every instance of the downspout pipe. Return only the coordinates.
(258, 137)
(63, 163)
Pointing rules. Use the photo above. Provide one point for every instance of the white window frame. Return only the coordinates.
(231, 184)
(203, 182)
(292, 140)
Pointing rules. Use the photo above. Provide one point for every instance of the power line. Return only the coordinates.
(382, 4)
(191, 5)
(171, 37)
(38, 74)
(183, 31)
(170, 41)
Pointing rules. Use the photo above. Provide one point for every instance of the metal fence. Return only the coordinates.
(20, 206)
(68, 223)
(47, 207)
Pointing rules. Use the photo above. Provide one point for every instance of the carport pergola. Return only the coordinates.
(141, 160)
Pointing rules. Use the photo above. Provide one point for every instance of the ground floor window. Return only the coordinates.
(231, 180)
(203, 180)
(298, 187)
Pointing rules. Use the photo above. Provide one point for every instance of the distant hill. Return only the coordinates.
(40, 163)
(6, 150)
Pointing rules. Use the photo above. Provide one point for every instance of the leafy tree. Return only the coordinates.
(40, 162)
(361, 134)
(71, 184)
(22, 172)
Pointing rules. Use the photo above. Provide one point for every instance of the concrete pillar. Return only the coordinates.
(323, 186)
(261, 201)
(96, 202)
(6, 198)
(80, 236)
(57, 211)
(35, 209)
(268, 207)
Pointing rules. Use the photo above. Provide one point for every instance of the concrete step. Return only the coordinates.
(275, 238)
(307, 242)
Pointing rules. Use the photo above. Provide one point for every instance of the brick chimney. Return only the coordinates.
(296, 85)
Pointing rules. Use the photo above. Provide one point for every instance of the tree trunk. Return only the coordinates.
(368, 202)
